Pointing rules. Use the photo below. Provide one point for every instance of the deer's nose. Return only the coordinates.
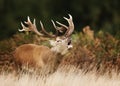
(70, 46)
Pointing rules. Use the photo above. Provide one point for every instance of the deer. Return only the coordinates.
(38, 55)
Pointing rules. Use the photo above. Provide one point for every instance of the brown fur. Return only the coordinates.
(33, 55)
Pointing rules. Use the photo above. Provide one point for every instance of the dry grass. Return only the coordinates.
(64, 76)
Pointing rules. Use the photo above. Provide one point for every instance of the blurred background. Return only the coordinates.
(99, 14)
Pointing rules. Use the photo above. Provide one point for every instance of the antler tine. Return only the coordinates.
(54, 24)
(60, 29)
(24, 28)
(70, 16)
(35, 28)
(28, 22)
(71, 26)
(55, 27)
(67, 18)
(28, 19)
(34, 22)
(62, 25)
(22, 25)
(43, 30)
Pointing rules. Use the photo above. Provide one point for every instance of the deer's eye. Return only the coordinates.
(59, 41)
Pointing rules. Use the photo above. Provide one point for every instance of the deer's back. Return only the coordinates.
(32, 54)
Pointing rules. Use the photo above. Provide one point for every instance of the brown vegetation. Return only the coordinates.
(101, 53)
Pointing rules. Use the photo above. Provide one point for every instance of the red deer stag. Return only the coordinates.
(38, 55)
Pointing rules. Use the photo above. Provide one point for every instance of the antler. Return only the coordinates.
(69, 28)
(31, 27)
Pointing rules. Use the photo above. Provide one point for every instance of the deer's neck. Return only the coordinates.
(60, 49)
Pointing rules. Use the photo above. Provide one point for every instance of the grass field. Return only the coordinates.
(71, 77)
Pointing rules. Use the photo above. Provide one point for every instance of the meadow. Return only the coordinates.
(94, 60)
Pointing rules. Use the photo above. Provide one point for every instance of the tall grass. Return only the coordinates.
(64, 76)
